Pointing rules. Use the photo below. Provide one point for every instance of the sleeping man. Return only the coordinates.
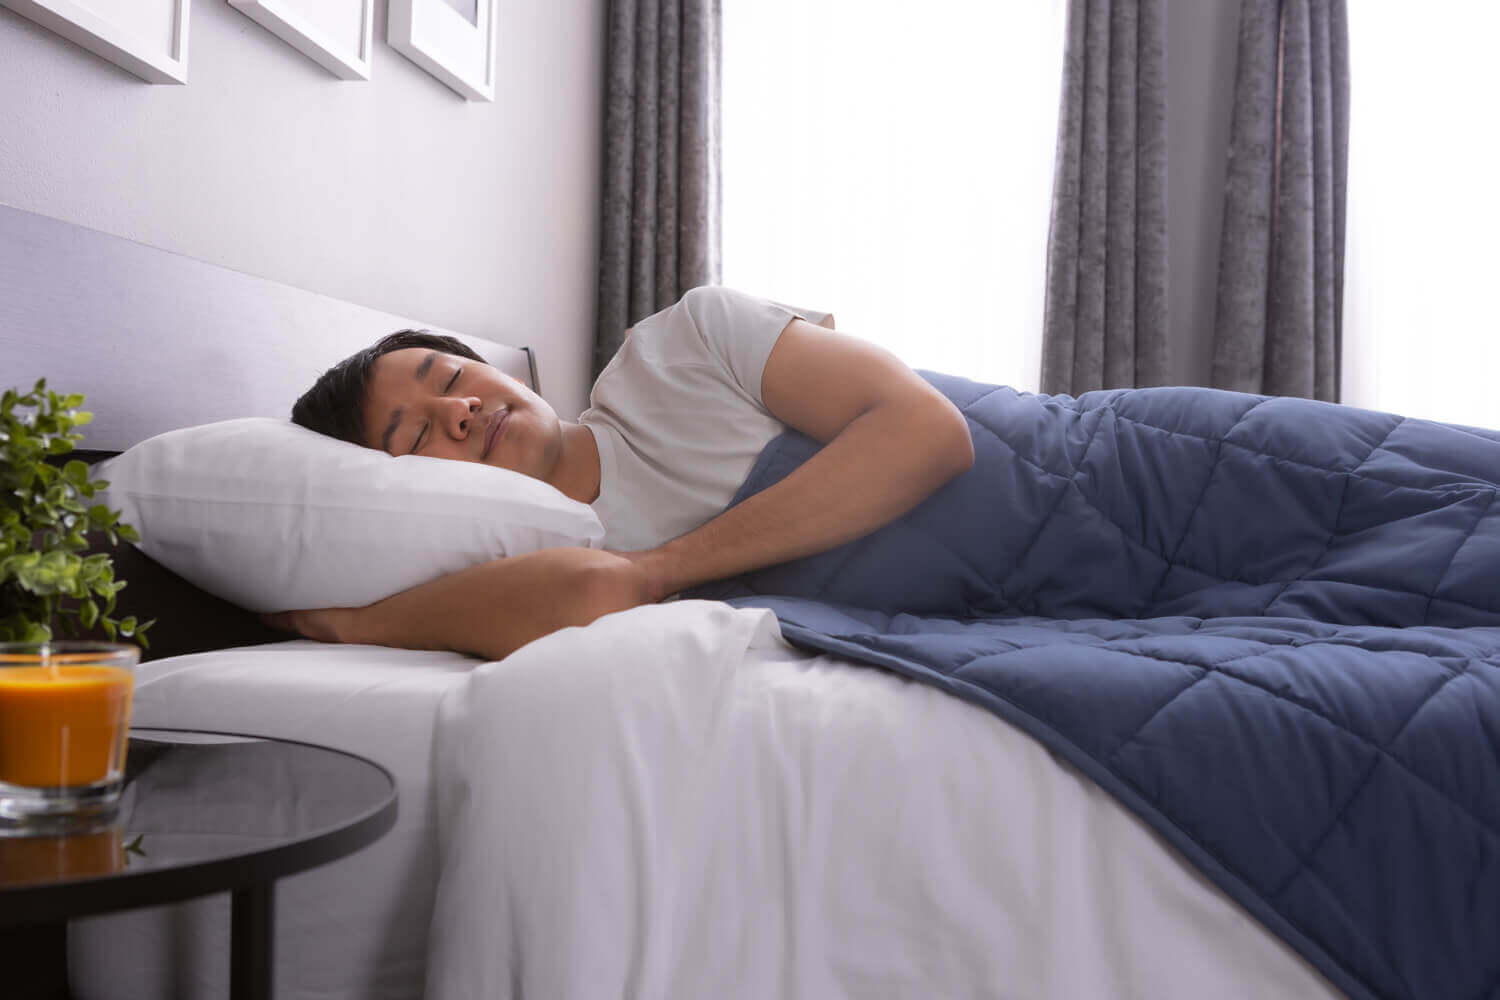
(674, 425)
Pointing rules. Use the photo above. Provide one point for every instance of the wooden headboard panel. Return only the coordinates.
(156, 341)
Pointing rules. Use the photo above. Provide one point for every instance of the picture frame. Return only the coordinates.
(146, 37)
(446, 43)
(335, 34)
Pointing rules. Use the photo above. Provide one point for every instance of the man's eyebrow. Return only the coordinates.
(426, 365)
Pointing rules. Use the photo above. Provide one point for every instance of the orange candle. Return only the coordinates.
(63, 726)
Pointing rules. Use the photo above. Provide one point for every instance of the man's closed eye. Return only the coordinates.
(422, 434)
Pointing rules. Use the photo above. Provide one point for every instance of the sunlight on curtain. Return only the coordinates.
(892, 163)
(1421, 316)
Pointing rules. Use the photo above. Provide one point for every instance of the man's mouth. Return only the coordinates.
(498, 420)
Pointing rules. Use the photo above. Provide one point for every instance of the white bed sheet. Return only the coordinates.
(356, 928)
(674, 803)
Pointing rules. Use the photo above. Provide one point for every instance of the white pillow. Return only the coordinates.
(272, 516)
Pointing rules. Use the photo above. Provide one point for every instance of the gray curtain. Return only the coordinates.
(661, 226)
(1279, 324)
(1106, 307)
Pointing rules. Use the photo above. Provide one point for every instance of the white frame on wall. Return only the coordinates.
(440, 40)
(118, 37)
(346, 58)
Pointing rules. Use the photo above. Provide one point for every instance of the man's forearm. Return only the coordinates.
(494, 608)
(881, 465)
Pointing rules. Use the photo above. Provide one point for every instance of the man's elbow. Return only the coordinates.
(952, 442)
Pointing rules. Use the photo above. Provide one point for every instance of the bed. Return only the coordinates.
(672, 802)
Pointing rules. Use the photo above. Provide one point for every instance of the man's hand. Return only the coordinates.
(322, 624)
(489, 610)
(655, 574)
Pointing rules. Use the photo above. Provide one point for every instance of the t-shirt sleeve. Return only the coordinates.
(740, 330)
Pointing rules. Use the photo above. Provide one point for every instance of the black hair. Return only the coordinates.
(335, 404)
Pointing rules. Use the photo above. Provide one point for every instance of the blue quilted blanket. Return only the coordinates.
(1269, 626)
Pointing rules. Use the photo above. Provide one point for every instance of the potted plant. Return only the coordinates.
(46, 580)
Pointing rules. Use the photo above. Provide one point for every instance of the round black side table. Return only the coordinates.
(201, 813)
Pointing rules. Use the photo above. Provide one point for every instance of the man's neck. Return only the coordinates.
(577, 471)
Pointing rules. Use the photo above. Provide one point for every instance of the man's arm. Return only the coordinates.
(891, 440)
(490, 609)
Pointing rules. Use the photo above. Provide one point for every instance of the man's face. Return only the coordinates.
(425, 402)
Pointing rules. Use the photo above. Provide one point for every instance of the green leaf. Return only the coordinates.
(23, 561)
(48, 579)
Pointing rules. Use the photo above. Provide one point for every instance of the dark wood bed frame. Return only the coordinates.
(156, 341)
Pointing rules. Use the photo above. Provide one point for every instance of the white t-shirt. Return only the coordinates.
(678, 416)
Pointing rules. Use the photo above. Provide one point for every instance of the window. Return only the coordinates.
(1422, 265)
(893, 164)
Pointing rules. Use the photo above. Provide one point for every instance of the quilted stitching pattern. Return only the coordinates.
(1270, 626)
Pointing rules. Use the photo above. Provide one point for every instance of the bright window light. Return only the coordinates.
(1421, 326)
(892, 163)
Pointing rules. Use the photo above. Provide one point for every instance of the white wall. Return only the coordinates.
(393, 193)
(1202, 37)
(397, 194)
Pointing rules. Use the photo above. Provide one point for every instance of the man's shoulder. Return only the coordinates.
(719, 332)
(704, 301)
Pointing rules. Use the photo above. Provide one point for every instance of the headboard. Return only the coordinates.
(156, 341)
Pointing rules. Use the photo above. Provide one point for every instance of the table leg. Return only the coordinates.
(34, 961)
(251, 933)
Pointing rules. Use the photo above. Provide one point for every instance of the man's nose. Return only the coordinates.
(459, 414)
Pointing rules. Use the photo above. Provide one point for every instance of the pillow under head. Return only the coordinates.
(272, 516)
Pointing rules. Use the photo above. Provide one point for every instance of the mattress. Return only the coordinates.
(356, 928)
(673, 802)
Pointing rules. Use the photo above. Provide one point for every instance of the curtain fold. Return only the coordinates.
(661, 231)
(1106, 298)
(1279, 323)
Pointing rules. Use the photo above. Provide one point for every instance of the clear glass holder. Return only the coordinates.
(31, 812)
(64, 728)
